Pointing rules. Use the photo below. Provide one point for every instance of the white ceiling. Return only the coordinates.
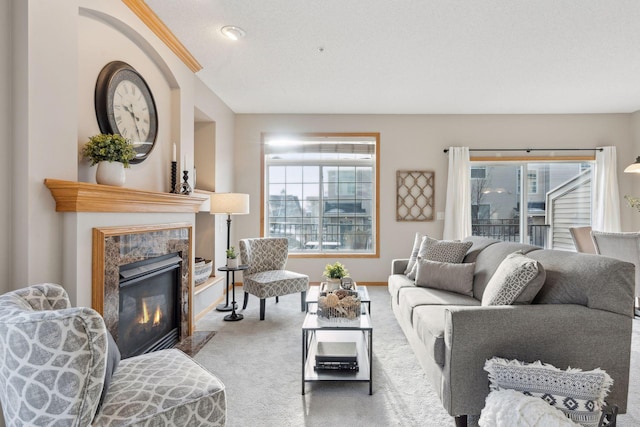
(415, 56)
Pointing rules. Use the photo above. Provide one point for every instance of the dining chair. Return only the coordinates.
(582, 239)
(624, 246)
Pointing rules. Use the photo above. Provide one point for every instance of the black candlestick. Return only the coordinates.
(184, 187)
(174, 175)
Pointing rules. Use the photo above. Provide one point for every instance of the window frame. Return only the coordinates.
(264, 191)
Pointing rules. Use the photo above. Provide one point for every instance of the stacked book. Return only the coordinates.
(336, 356)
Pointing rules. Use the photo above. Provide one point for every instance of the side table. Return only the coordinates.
(233, 316)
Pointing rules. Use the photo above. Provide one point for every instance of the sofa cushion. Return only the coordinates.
(411, 298)
(446, 276)
(579, 394)
(397, 282)
(429, 321)
(441, 251)
(417, 241)
(511, 278)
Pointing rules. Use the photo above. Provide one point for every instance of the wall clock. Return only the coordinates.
(124, 105)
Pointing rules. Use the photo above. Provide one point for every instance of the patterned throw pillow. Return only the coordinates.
(441, 251)
(417, 241)
(447, 276)
(579, 394)
(511, 278)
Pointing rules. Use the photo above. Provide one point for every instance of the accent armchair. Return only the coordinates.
(266, 276)
(54, 362)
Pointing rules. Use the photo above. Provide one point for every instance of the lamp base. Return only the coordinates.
(226, 307)
(233, 317)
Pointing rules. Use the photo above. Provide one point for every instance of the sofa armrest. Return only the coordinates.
(559, 334)
(398, 266)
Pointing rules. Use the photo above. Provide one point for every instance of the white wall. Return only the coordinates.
(417, 142)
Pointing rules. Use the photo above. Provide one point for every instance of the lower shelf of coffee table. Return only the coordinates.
(359, 337)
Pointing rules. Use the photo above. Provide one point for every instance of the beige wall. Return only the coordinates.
(417, 142)
(55, 73)
(6, 143)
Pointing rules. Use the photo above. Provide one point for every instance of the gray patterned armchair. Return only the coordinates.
(266, 276)
(53, 365)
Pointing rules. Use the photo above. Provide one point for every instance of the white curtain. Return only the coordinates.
(606, 198)
(457, 214)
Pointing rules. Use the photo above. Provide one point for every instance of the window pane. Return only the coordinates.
(557, 196)
(325, 202)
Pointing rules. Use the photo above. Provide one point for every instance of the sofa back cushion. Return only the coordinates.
(594, 281)
(488, 260)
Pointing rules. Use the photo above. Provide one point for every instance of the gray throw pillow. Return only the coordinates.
(417, 241)
(510, 280)
(441, 251)
(447, 276)
(113, 359)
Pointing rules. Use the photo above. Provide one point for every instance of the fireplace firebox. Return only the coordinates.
(149, 305)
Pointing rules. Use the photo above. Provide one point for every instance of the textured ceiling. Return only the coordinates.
(415, 56)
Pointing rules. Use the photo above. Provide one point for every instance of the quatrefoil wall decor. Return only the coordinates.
(414, 195)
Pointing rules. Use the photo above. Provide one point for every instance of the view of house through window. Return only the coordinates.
(320, 192)
(538, 209)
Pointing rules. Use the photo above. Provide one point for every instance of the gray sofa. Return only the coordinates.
(581, 318)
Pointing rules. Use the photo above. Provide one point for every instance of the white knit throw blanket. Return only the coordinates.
(510, 408)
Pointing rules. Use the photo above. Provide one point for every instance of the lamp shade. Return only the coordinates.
(229, 203)
(633, 167)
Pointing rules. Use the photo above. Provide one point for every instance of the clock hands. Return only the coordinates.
(135, 119)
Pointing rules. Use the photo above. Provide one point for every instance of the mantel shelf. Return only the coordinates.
(71, 196)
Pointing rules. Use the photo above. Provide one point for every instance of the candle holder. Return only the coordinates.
(174, 175)
(184, 187)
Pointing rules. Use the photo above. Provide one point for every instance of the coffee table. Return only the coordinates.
(361, 334)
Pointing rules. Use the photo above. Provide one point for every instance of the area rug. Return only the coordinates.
(260, 364)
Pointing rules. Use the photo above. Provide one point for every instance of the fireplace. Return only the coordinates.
(148, 310)
(124, 258)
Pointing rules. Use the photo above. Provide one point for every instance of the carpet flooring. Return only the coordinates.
(260, 365)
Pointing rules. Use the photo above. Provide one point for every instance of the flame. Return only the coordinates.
(146, 318)
(145, 314)
(157, 316)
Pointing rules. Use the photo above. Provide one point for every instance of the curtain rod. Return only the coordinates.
(528, 150)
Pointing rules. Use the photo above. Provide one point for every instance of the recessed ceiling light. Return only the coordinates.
(232, 32)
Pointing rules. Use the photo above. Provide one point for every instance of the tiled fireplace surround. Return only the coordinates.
(105, 227)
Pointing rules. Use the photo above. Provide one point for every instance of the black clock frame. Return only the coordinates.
(108, 79)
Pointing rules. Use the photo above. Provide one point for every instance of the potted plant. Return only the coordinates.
(112, 153)
(232, 258)
(334, 274)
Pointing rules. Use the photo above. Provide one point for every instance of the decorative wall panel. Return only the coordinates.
(415, 195)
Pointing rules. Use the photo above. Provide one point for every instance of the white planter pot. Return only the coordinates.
(110, 173)
(232, 262)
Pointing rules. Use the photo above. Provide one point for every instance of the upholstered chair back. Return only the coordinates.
(264, 254)
(52, 358)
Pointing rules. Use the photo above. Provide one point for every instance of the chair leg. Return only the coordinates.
(262, 304)
(277, 300)
(303, 301)
(246, 300)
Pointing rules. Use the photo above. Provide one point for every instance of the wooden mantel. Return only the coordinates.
(71, 196)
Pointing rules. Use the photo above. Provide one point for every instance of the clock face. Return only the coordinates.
(125, 105)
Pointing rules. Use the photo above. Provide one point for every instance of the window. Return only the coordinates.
(557, 196)
(320, 192)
